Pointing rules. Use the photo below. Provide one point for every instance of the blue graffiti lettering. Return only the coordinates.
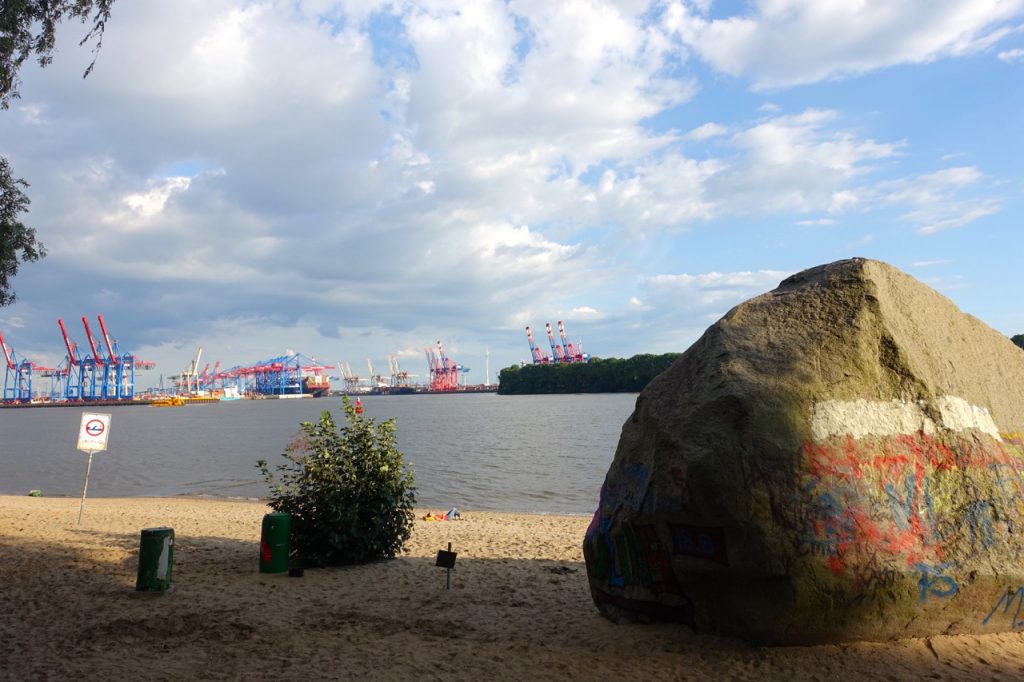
(1006, 600)
(902, 507)
(980, 523)
(933, 582)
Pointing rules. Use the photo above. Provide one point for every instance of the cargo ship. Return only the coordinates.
(316, 385)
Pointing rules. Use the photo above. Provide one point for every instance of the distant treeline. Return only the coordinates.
(600, 375)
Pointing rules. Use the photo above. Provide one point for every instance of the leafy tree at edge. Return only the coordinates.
(27, 28)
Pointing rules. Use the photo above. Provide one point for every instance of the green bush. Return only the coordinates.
(348, 491)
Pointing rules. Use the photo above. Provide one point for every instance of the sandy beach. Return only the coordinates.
(518, 608)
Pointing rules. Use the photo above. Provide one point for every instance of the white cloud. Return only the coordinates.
(843, 200)
(947, 283)
(670, 191)
(937, 201)
(516, 251)
(805, 137)
(1014, 56)
(585, 313)
(793, 163)
(930, 263)
(788, 163)
(13, 322)
(480, 167)
(863, 240)
(151, 202)
(948, 216)
(714, 288)
(781, 43)
(706, 131)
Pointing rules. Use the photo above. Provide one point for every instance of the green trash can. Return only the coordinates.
(156, 559)
(274, 542)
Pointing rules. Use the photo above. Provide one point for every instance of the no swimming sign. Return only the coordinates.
(92, 438)
(93, 433)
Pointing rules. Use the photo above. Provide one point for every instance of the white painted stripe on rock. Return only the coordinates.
(862, 418)
(960, 415)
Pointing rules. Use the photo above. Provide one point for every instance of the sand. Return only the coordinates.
(518, 608)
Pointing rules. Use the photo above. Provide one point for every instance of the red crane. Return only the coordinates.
(70, 345)
(538, 355)
(96, 381)
(557, 352)
(433, 366)
(572, 354)
(444, 372)
(106, 337)
(92, 342)
(7, 353)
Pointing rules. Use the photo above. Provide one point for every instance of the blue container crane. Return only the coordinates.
(17, 377)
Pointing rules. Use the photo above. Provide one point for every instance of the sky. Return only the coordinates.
(358, 180)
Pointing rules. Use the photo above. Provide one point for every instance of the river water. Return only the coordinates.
(543, 454)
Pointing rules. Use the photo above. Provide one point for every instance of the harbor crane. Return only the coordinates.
(572, 353)
(351, 380)
(17, 376)
(94, 371)
(107, 377)
(399, 377)
(444, 371)
(377, 380)
(557, 352)
(102, 378)
(560, 352)
(539, 358)
(73, 371)
(120, 375)
(207, 379)
(191, 373)
(292, 374)
(203, 378)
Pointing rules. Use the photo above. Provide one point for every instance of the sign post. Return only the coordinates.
(92, 438)
(446, 560)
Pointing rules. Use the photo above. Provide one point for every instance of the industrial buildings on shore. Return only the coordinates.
(103, 374)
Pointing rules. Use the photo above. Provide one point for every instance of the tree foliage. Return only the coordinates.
(610, 375)
(27, 28)
(348, 491)
(17, 241)
(1018, 339)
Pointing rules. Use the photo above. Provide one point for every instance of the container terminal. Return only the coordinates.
(104, 375)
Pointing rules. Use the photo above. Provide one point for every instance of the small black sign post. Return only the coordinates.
(446, 560)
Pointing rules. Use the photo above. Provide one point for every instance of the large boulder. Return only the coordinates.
(838, 459)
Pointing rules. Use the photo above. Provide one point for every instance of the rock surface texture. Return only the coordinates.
(838, 459)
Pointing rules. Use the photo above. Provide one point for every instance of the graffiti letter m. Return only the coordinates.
(1006, 601)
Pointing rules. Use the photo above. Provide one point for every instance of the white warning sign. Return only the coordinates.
(92, 436)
